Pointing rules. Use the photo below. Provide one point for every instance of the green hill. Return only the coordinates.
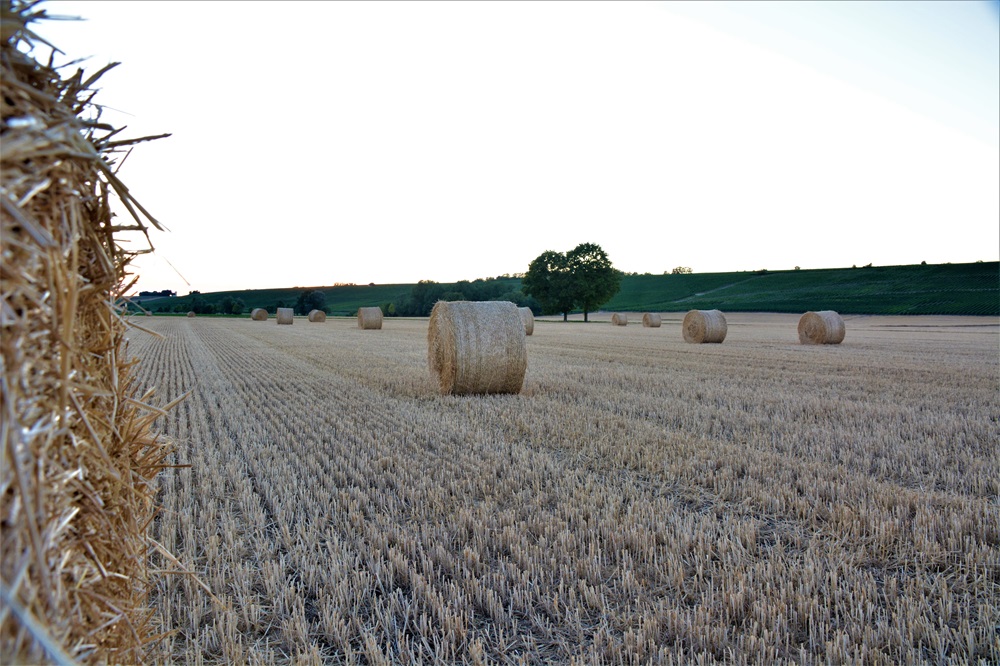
(972, 289)
(969, 289)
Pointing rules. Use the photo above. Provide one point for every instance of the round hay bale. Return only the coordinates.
(619, 319)
(285, 315)
(190, 314)
(258, 314)
(370, 318)
(651, 320)
(317, 315)
(528, 319)
(825, 327)
(704, 326)
(477, 347)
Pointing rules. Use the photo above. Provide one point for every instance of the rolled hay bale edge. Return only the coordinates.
(651, 320)
(528, 318)
(619, 319)
(286, 315)
(80, 483)
(370, 319)
(317, 316)
(824, 327)
(258, 314)
(191, 313)
(477, 347)
(701, 326)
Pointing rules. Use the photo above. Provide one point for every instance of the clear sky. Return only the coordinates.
(323, 142)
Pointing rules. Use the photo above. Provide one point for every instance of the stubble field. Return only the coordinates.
(643, 500)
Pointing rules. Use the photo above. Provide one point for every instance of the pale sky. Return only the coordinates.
(315, 143)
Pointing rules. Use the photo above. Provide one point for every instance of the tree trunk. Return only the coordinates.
(585, 316)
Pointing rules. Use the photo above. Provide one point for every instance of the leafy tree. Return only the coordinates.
(549, 281)
(681, 270)
(595, 280)
(582, 278)
(309, 301)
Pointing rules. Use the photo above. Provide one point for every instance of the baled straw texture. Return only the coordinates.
(704, 326)
(651, 320)
(370, 318)
(286, 315)
(619, 319)
(77, 482)
(477, 347)
(528, 318)
(825, 327)
(258, 314)
(317, 316)
(191, 313)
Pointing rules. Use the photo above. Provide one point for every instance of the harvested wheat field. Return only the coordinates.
(642, 500)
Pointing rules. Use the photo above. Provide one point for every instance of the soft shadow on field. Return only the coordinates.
(642, 500)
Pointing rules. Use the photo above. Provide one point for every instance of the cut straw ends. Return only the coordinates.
(317, 315)
(258, 314)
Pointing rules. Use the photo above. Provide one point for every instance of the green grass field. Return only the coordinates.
(967, 289)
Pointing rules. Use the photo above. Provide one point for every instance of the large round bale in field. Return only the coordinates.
(370, 318)
(317, 315)
(477, 347)
(651, 320)
(619, 319)
(258, 314)
(191, 314)
(285, 315)
(704, 326)
(825, 327)
(528, 319)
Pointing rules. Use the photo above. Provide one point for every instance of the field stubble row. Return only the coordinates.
(642, 500)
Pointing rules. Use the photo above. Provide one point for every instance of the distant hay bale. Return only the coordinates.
(317, 316)
(704, 326)
(285, 315)
(825, 327)
(258, 314)
(619, 319)
(651, 320)
(191, 314)
(528, 319)
(370, 319)
(476, 347)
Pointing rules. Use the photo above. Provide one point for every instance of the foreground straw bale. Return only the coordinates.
(477, 347)
(370, 318)
(651, 320)
(704, 326)
(317, 316)
(825, 327)
(258, 314)
(619, 319)
(286, 316)
(76, 480)
(528, 317)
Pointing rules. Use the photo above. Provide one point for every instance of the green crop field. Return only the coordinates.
(960, 289)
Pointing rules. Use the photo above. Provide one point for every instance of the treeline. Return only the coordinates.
(426, 293)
